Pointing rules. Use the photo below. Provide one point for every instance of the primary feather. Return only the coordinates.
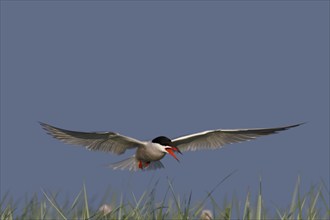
(215, 139)
(102, 141)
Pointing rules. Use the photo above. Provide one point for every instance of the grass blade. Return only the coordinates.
(259, 203)
(54, 205)
(86, 202)
(294, 200)
(177, 203)
(247, 209)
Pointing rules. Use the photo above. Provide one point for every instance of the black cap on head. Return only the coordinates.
(162, 140)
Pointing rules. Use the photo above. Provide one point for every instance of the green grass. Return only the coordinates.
(312, 205)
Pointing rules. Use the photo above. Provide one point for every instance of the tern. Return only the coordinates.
(149, 153)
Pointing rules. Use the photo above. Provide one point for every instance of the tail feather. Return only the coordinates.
(132, 164)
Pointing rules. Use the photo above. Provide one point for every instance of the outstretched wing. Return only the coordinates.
(215, 139)
(101, 141)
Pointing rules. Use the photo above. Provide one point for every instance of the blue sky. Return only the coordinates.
(145, 69)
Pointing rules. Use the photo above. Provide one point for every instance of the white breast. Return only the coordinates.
(150, 152)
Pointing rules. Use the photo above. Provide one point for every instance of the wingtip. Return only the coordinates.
(289, 127)
(296, 125)
(43, 125)
(49, 129)
(40, 123)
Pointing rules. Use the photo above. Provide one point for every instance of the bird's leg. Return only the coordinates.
(140, 164)
(147, 164)
(143, 165)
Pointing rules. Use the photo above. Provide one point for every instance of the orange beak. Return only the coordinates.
(176, 149)
(171, 150)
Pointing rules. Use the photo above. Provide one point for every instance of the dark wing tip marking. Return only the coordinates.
(51, 130)
(269, 130)
(278, 129)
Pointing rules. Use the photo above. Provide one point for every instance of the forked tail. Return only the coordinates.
(132, 164)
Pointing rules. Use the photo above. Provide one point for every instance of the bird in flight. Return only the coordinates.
(149, 153)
